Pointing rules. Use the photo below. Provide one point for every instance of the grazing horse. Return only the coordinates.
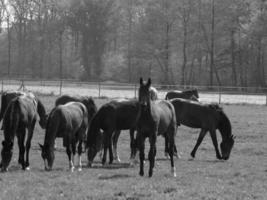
(69, 121)
(187, 94)
(207, 117)
(21, 114)
(156, 118)
(112, 117)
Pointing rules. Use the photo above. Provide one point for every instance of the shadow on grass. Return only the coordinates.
(114, 176)
(206, 161)
(112, 166)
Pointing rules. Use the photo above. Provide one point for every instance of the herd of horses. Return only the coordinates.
(83, 127)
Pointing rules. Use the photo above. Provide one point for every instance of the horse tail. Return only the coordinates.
(3, 105)
(14, 116)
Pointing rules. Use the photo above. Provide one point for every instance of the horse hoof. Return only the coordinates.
(72, 169)
(27, 168)
(4, 170)
(79, 169)
(173, 171)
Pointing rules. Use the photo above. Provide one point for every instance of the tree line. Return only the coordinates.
(187, 42)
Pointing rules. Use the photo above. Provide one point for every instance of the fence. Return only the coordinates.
(231, 95)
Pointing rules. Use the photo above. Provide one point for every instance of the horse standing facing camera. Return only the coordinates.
(156, 118)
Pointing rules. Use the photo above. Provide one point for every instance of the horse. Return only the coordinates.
(69, 121)
(187, 94)
(209, 118)
(112, 117)
(156, 118)
(6, 98)
(87, 101)
(21, 114)
(153, 93)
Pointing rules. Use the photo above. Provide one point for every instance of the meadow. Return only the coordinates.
(243, 176)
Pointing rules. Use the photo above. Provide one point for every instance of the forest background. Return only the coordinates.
(185, 42)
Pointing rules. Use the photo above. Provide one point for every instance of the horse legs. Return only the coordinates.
(172, 148)
(152, 153)
(21, 137)
(115, 142)
(80, 149)
(70, 156)
(28, 144)
(107, 145)
(199, 140)
(141, 145)
(167, 148)
(215, 144)
(133, 146)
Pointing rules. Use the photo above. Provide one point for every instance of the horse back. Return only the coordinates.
(194, 114)
(74, 113)
(6, 98)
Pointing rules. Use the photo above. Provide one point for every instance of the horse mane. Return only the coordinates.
(48, 136)
(224, 125)
(93, 130)
(40, 108)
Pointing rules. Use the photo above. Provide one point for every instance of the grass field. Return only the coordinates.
(243, 176)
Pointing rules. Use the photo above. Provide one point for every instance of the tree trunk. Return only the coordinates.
(129, 41)
(212, 43)
(233, 62)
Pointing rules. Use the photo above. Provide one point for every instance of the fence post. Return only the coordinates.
(135, 91)
(2, 86)
(60, 87)
(220, 95)
(99, 89)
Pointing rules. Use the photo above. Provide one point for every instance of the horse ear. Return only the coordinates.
(149, 82)
(41, 146)
(141, 81)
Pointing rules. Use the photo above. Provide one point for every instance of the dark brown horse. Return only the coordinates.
(187, 94)
(6, 99)
(207, 117)
(70, 122)
(21, 114)
(156, 118)
(112, 117)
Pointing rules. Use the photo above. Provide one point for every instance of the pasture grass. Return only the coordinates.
(243, 176)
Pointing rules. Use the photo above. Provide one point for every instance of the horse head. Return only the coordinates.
(48, 156)
(94, 146)
(6, 154)
(144, 92)
(226, 147)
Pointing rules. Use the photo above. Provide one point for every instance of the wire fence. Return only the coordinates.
(230, 95)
